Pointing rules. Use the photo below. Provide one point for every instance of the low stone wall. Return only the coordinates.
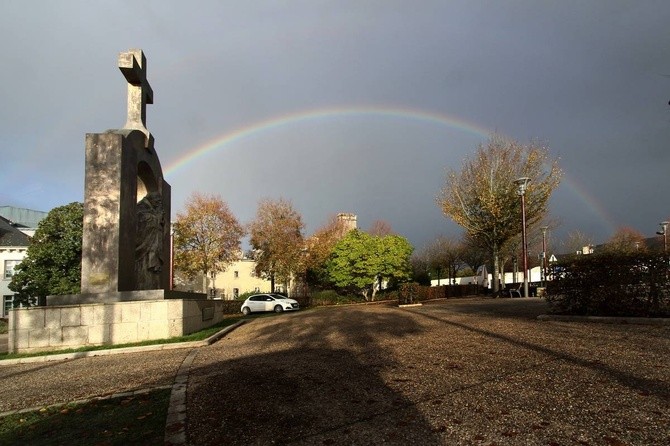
(72, 326)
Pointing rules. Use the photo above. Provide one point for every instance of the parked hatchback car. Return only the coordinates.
(269, 302)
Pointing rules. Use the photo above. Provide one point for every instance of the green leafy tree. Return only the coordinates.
(53, 262)
(395, 254)
(277, 239)
(360, 261)
(483, 198)
(206, 237)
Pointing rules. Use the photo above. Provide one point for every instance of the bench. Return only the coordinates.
(516, 291)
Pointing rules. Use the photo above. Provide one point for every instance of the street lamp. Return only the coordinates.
(522, 183)
(171, 284)
(664, 233)
(544, 254)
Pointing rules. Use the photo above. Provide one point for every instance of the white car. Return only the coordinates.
(269, 302)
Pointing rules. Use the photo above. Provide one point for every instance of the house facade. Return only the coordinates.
(17, 225)
(238, 278)
(13, 249)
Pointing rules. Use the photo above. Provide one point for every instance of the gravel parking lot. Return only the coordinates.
(456, 372)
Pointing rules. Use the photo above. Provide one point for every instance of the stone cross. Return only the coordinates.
(133, 65)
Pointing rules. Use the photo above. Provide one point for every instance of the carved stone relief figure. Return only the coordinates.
(149, 246)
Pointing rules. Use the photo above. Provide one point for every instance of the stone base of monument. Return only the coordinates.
(76, 321)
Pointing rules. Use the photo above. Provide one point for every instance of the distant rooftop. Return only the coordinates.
(11, 236)
(22, 218)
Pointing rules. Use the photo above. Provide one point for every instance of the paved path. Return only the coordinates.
(470, 371)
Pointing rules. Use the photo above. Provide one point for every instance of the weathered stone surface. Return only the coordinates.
(123, 296)
(126, 240)
(107, 323)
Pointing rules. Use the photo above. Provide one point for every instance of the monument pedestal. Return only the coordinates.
(120, 319)
(121, 296)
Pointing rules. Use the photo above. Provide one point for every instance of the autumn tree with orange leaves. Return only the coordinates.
(482, 197)
(206, 237)
(626, 241)
(277, 240)
(319, 248)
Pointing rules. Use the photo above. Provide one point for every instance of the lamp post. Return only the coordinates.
(171, 284)
(544, 254)
(523, 183)
(664, 233)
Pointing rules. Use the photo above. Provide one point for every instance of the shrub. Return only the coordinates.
(332, 297)
(408, 293)
(245, 295)
(611, 284)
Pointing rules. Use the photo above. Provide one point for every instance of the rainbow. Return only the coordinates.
(591, 202)
(307, 116)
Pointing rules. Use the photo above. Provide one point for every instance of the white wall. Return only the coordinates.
(535, 276)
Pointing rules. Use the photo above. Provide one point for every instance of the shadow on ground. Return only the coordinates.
(506, 308)
(325, 389)
(302, 397)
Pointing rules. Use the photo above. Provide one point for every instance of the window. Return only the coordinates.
(236, 292)
(9, 268)
(8, 304)
(236, 274)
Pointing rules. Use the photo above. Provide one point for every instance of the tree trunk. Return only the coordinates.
(272, 282)
(494, 273)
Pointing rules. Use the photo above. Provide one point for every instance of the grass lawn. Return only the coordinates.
(138, 419)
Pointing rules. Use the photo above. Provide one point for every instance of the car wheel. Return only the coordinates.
(246, 311)
(278, 308)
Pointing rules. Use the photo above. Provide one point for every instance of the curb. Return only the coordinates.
(606, 319)
(175, 425)
(117, 351)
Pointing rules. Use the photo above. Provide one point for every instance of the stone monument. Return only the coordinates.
(126, 241)
(125, 275)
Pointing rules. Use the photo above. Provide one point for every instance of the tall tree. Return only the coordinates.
(319, 247)
(483, 198)
(444, 255)
(206, 237)
(626, 241)
(576, 241)
(395, 252)
(360, 261)
(277, 239)
(53, 262)
(420, 268)
(380, 228)
(473, 254)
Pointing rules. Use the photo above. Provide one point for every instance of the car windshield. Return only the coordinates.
(278, 296)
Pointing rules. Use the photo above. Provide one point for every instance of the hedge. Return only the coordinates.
(611, 284)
